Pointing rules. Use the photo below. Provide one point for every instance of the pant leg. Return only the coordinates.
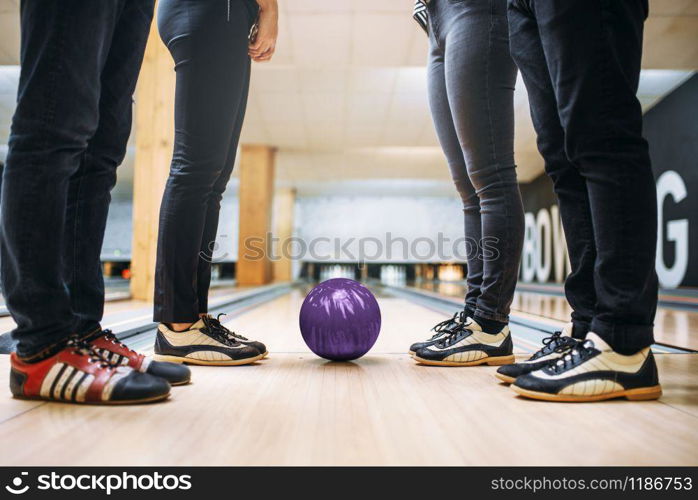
(56, 116)
(446, 132)
(569, 185)
(480, 79)
(593, 50)
(89, 188)
(208, 241)
(209, 47)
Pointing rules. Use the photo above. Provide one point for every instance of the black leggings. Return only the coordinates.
(208, 42)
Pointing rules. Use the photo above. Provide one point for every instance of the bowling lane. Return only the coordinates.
(674, 326)
(297, 409)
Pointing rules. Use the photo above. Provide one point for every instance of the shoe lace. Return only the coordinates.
(578, 354)
(448, 324)
(84, 348)
(457, 333)
(109, 335)
(216, 328)
(554, 343)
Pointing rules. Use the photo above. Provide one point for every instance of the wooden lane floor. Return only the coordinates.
(383, 409)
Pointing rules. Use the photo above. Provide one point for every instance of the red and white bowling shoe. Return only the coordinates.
(79, 374)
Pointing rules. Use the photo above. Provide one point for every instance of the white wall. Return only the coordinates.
(345, 219)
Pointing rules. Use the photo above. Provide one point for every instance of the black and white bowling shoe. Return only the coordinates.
(592, 371)
(441, 330)
(468, 345)
(554, 347)
(202, 344)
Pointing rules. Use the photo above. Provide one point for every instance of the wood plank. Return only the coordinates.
(256, 193)
(284, 208)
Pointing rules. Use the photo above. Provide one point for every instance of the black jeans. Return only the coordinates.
(208, 42)
(580, 60)
(80, 62)
(471, 79)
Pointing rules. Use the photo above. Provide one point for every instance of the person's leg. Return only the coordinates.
(209, 48)
(593, 50)
(569, 185)
(465, 30)
(213, 207)
(56, 116)
(446, 132)
(89, 187)
(480, 78)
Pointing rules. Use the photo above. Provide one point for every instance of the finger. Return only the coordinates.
(259, 57)
(259, 47)
(265, 57)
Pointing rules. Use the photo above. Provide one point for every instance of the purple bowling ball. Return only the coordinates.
(340, 319)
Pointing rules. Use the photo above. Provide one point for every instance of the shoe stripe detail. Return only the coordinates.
(109, 386)
(592, 387)
(76, 385)
(69, 386)
(83, 387)
(56, 380)
(144, 365)
(61, 381)
(465, 356)
(49, 379)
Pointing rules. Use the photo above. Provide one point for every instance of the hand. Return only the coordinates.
(268, 29)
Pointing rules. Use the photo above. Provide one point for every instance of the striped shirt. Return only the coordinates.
(420, 14)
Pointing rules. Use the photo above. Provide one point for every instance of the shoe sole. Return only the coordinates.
(492, 361)
(200, 362)
(505, 378)
(639, 394)
(175, 384)
(152, 399)
(412, 353)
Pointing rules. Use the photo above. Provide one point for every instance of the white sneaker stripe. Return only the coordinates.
(83, 387)
(49, 378)
(62, 380)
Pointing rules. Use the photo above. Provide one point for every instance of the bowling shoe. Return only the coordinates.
(202, 344)
(554, 347)
(468, 345)
(117, 352)
(236, 337)
(592, 371)
(441, 330)
(79, 374)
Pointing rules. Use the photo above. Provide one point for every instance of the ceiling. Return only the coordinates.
(344, 99)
